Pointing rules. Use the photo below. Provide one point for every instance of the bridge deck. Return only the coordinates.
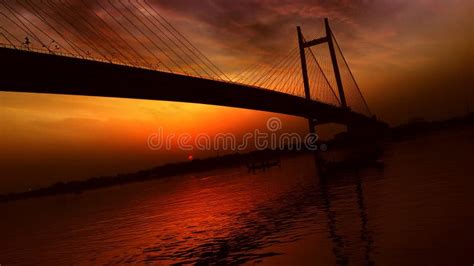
(24, 71)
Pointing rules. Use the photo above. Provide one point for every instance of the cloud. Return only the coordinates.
(385, 37)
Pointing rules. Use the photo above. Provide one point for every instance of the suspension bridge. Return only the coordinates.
(128, 49)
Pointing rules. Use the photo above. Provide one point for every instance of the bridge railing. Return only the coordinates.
(115, 62)
(89, 58)
(57, 53)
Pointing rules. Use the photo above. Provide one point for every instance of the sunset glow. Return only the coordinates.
(236, 132)
(404, 55)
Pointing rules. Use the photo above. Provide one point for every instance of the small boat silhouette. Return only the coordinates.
(263, 165)
(262, 161)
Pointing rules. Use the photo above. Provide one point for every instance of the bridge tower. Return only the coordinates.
(303, 44)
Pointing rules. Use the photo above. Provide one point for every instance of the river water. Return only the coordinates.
(417, 210)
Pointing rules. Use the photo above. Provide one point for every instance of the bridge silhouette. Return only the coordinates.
(129, 50)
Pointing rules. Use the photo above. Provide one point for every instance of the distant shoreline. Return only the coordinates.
(406, 131)
(159, 172)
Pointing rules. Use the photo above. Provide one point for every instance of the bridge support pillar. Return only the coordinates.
(335, 66)
(311, 126)
(304, 70)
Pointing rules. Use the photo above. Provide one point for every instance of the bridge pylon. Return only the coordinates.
(303, 44)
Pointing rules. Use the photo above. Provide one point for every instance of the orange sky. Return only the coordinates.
(410, 58)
